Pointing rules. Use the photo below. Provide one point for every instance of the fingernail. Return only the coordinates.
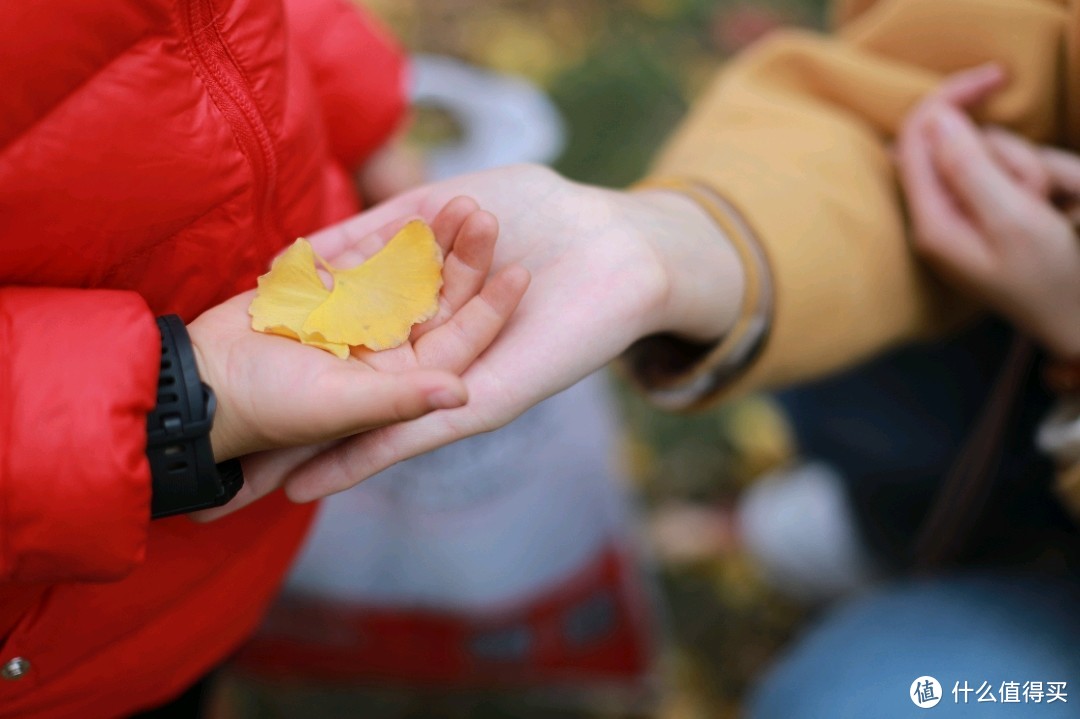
(445, 399)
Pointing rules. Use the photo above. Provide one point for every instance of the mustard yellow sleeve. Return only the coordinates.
(795, 136)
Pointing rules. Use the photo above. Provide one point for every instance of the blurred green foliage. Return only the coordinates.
(619, 103)
(623, 72)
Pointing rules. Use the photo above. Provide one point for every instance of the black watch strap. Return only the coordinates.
(182, 467)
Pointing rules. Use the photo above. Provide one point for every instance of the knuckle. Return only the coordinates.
(459, 335)
(489, 307)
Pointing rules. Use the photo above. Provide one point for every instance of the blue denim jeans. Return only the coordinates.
(995, 635)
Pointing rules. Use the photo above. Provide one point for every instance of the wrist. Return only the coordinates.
(185, 475)
(222, 434)
(704, 280)
(716, 316)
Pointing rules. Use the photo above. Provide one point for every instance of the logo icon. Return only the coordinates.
(925, 692)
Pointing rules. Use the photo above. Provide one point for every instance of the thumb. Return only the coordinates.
(357, 399)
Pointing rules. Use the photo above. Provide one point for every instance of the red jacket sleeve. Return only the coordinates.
(359, 73)
(78, 376)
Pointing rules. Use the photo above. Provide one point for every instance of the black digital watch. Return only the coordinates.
(182, 469)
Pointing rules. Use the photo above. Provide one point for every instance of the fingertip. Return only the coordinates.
(506, 288)
(971, 86)
(446, 399)
(463, 204)
(456, 210)
(447, 391)
(487, 220)
(475, 242)
(481, 227)
(298, 492)
(517, 276)
(988, 72)
(449, 219)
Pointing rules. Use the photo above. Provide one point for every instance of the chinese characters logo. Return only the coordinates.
(925, 692)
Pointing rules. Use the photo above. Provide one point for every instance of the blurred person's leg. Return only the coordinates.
(861, 659)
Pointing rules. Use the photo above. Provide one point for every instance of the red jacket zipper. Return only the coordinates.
(229, 89)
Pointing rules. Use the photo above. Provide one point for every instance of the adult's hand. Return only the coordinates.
(274, 392)
(607, 269)
(994, 213)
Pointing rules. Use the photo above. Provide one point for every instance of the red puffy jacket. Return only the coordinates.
(154, 155)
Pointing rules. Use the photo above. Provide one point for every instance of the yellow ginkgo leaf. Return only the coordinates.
(377, 303)
(288, 294)
(339, 350)
(374, 305)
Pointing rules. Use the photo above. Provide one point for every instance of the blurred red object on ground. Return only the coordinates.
(595, 627)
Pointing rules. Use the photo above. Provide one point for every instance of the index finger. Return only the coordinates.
(971, 86)
(965, 164)
(942, 234)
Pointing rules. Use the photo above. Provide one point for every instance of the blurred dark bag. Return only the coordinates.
(942, 429)
(971, 491)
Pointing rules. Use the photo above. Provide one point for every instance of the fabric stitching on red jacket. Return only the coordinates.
(113, 273)
(246, 106)
(257, 108)
(38, 121)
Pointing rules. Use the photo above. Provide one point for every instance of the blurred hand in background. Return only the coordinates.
(995, 213)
